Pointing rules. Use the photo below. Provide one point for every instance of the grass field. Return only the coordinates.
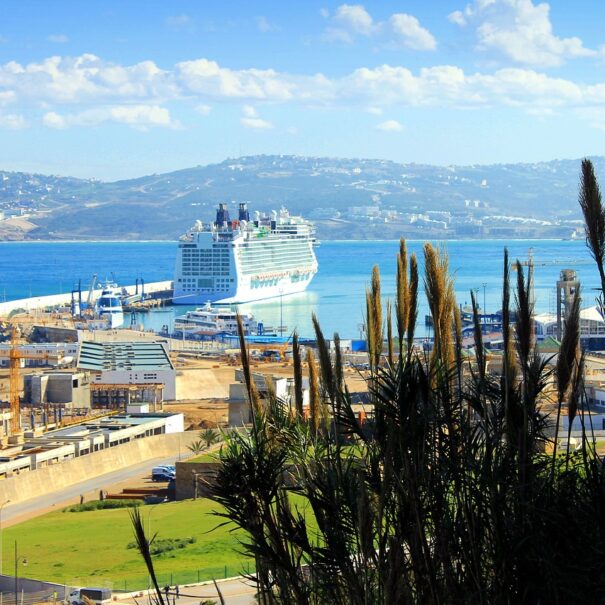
(90, 548)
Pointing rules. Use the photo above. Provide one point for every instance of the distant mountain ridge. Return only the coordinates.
(348, 198)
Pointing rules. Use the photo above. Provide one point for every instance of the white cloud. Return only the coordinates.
(208, 78)
(390, 126)
(12, 121)
(54, 120)
(203, 110)
(356, 18)
(141, 117)
(412, 34)
(353, 19)
(58, 38)
(7, 97)
(85, 90)
(251, 119)
(458, 18)
(256, 123)
(249, 111)
(264, 25)
(520, 30)
(178, 21)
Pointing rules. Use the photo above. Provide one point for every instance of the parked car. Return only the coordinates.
(160, 473)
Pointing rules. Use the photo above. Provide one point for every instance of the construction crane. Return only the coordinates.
(531, 262)
(93, 284)
(14, 364)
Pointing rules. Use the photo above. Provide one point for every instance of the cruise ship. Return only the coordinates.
(237, 261)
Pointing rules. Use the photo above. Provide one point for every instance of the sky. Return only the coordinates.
(112, 89)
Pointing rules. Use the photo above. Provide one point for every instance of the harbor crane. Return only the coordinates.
(14, 364)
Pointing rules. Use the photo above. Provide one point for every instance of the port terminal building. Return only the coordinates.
(592, 328)
(125, 373)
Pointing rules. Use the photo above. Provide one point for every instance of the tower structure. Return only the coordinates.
(567, 287)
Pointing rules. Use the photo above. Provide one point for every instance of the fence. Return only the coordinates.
(27, 598)
(176, 578)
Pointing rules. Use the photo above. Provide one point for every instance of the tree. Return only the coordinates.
(445, 495)
(196, 447)
(209, 436)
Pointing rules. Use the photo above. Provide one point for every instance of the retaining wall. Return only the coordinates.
(190, 473)
(47, 480)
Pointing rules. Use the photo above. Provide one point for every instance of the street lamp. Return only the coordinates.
(1, 507)
(484, 311)
(17, 560)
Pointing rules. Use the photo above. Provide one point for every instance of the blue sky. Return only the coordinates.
(117, 89)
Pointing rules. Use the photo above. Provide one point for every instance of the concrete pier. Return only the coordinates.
(41, 302)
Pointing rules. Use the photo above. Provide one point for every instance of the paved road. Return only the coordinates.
(14, 513)
(235, 592)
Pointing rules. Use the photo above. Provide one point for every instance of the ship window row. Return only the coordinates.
(192, 289)
(185, 280)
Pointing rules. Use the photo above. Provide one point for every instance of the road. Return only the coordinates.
(235, 592)
(15, 513)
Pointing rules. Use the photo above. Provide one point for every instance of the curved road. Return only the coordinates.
(15, 513)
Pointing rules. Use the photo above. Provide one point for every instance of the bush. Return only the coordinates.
(164, 545)
(101, 504)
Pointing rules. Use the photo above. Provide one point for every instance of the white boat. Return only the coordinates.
(242, 261)
(108, 307)
(209, 321)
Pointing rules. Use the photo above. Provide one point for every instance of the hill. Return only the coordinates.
(348, 198)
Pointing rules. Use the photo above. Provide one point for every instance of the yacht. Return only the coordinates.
(109, 307)
(210, 321)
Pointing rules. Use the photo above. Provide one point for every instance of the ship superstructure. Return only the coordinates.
(244, 260)
(109, 307)
(210, 321)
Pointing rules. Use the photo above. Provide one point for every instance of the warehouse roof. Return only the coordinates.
(107, 356)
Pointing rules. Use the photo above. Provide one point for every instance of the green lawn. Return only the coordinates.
(90, 548)
(208, 457)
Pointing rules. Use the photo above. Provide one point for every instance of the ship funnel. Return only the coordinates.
(222, 215)
(244, 215)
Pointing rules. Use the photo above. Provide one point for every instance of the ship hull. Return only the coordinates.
(247, 292)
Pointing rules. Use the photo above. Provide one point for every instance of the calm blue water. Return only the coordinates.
(336, 294)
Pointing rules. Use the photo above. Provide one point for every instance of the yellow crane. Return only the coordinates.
(14, 377)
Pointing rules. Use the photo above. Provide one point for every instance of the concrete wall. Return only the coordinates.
(57, 388)
(186, 475)
(50, 479)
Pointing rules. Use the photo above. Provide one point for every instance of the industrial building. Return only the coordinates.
(283, 387)
(64, 444)
(41, 354)
(592, 328)
(69, 388)
(123, 373)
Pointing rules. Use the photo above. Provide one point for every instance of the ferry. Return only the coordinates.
(209, 321)
(243, 260)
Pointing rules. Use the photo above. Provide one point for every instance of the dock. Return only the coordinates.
(155, 289)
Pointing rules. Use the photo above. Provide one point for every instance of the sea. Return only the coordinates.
(336, 295)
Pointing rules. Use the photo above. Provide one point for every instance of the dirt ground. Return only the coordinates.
(203, 387)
